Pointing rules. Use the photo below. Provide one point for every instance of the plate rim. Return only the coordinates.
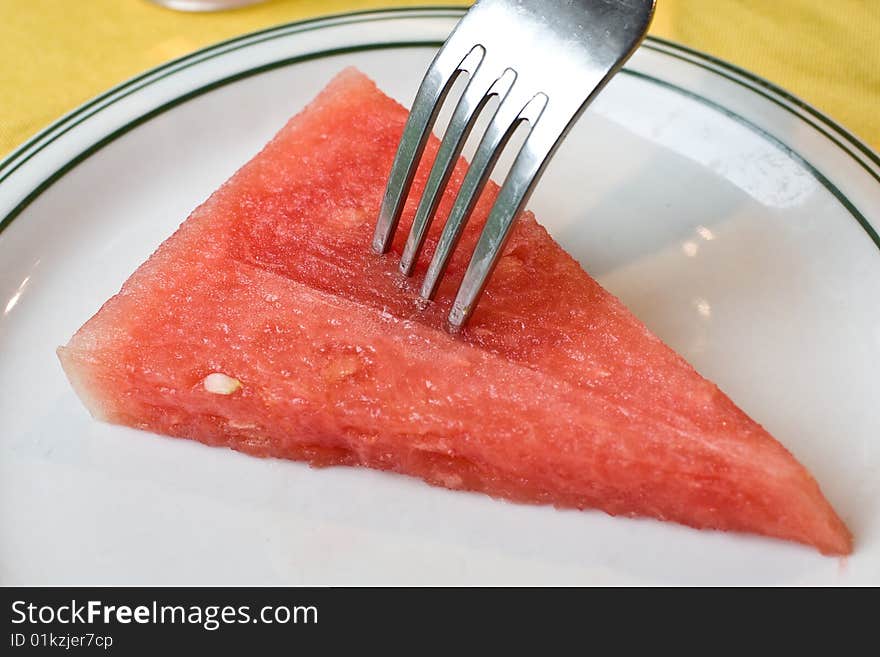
(867, 158)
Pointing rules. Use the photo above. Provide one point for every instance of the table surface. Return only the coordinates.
(56, 54)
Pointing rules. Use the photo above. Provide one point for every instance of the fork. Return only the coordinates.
(545, 61)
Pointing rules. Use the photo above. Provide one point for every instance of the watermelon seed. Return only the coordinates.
(221, 384)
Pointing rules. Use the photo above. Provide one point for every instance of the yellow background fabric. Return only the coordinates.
(56, 54)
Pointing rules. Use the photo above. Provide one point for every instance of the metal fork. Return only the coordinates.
(545, 60)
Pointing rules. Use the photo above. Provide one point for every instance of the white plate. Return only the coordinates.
(731, 218)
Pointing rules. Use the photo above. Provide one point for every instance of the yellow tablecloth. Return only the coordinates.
(55, 54)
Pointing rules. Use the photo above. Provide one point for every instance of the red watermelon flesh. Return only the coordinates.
(554, 393)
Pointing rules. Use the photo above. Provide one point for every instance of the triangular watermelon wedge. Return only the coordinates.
(265, 324)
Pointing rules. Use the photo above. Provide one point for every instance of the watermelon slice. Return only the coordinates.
(265, 324)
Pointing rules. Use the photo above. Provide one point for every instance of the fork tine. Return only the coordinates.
(514, 194)
(441, 74)
(482, 86)
(497, 134)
